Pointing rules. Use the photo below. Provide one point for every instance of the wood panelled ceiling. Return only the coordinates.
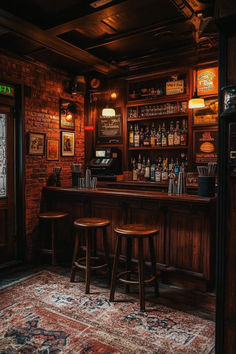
(113, 37)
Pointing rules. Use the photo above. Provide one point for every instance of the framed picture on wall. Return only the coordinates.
(207, 115)
(207, 81)
(67, 143)
(36, 143)
(67, 114)
(205, 145)
(52, 149)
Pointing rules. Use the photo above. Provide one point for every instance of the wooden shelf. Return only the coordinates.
(161, 116)
(162, 99)
(158, 148)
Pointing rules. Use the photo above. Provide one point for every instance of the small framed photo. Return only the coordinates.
(52, 149)
(67, 114)
(67, 143)
(36, 143)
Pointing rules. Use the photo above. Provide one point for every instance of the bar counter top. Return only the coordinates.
(127, 193)
(185, 246)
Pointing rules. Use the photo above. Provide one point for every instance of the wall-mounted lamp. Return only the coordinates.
(196, 101)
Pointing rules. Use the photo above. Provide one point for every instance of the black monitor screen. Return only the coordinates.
(100, 153)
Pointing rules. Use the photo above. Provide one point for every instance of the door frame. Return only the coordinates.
(17, 104)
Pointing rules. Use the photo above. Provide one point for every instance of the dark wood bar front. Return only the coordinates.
(185, 247)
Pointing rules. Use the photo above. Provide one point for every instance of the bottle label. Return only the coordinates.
(158, 176)
(164, 140)
(131, 138)
(170, 139)
(147, 172)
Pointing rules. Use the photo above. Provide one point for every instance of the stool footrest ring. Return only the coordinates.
(81, 266)
(132, 282)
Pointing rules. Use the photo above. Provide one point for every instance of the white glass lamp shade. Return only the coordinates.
(108, 112)
(196, 102)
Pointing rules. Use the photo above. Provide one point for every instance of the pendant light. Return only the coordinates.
(196, 101)
(109, 111)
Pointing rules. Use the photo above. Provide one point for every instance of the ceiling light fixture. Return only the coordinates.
(99, 3)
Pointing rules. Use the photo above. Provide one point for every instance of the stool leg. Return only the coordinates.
(53, 243)
(115, 266)
(153, 261)
(88, 262)
(76, 249)
(141, 275)
(106, 250)
(94, 242)
(128, 260)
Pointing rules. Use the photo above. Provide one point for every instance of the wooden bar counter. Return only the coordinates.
(185, 247)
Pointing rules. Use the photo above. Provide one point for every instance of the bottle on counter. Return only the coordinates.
(135, 172)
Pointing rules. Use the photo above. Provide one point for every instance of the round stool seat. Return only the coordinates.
(137, 230)
(52, 215)
(91, 222)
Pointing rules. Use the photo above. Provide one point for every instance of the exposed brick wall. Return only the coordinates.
(42, 115)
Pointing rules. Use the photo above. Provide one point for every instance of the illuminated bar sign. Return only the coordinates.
(7, 90)
(207, 81)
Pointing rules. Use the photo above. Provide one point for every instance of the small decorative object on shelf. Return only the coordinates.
(229, 99)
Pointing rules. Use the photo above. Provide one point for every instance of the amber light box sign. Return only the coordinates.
(207, 81)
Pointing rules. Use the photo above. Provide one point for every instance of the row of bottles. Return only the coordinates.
(157, 109)
(159, 170)
(173, 136)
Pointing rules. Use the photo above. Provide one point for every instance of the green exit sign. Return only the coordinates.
(6, 90)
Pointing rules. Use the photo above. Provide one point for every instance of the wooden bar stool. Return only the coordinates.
(130, 232)
(89, 225)
(52, 216)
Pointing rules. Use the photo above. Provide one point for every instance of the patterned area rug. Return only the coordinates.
(45, 313)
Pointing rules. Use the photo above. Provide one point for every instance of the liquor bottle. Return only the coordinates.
(183, 134)
(177, 134)
(153, 135)
(158, 174)
(176, 167)
(171, 164)
(152, 172)
(136, 137)
(147, 169)
(171, 134)
(163, 135)
(135, 172)
(131, 136)
(141, 136)
(139, 162)
(146, 141)
(158, 136)
(164, 174)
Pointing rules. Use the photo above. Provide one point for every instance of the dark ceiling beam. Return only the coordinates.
(97, 16)
(135, 32)
(27, 30)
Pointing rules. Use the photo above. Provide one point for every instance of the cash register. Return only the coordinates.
(106, 164)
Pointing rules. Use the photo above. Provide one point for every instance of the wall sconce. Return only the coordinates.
(196, 101)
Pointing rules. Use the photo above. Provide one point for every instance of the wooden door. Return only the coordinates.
(7, 200)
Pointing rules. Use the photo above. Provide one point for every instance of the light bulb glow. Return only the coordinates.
(108, 112)
(196, 103)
